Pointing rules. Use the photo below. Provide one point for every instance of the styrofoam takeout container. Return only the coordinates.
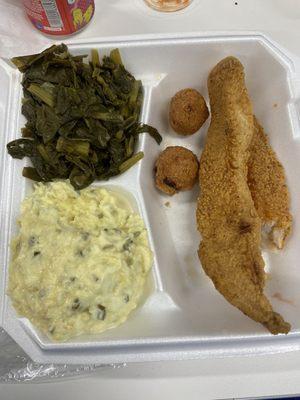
(181, 315)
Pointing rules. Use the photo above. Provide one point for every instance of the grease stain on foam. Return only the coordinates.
(279, 297)
(192, 270)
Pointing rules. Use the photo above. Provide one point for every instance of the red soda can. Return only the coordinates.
(59, 17)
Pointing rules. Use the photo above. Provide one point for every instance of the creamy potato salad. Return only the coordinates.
(79, 262)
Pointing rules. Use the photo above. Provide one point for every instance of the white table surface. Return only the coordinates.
(202, 379)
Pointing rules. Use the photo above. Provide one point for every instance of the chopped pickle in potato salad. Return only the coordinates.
(79, 262)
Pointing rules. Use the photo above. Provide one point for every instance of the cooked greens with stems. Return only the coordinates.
(82, 117)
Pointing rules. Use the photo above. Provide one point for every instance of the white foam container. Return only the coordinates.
(182, 316)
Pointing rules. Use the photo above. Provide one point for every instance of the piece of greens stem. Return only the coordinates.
(131, 161)
(42, 94)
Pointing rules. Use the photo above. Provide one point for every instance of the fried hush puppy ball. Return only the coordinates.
(176, 169)
(188, 111)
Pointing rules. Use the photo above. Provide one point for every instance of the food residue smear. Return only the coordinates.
(279, 297)
(79, 262)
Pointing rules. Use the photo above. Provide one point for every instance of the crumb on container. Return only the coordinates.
(176, 169)
(188, 111)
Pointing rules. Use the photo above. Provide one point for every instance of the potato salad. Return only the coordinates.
(79, 262)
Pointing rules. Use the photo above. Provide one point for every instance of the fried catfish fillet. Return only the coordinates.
(266, 181)
(226, 216)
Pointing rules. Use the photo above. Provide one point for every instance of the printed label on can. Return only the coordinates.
(59, 17)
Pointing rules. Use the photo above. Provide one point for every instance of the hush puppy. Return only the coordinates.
(176, 169)
(188, 111)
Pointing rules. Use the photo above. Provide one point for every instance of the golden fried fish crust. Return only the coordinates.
(267, 183)
(226, 216)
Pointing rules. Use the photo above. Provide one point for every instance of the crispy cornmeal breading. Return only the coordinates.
(226, 216)
(266, 181)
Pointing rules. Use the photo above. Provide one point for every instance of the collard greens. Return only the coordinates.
(82, 118)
